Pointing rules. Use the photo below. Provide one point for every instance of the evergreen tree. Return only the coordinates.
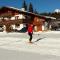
(24, 5)
(30, 7)
(36, 12)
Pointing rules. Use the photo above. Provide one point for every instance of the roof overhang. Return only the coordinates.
(28, 13)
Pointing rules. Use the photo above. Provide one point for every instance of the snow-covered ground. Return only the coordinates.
(44, 43)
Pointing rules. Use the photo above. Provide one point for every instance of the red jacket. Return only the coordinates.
(30, 29)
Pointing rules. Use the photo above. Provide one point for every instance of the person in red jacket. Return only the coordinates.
(30, 32)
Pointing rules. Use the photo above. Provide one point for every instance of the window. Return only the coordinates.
(17, 25)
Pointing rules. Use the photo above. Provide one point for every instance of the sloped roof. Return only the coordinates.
(50, 17)
(28, 13)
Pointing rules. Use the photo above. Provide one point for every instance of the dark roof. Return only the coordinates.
(27, 13)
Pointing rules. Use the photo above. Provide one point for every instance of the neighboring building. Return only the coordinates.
(15, 19)
(56, 24)
(11, 18)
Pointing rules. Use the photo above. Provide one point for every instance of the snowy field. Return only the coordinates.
(46, 46)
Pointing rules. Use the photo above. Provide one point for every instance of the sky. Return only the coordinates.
(39, 5)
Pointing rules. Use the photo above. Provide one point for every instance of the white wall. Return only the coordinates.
(42, 27)
(13, 26)
(19, 27)
(45, 26)
(4, 28)
(20, 16)
(12, 18)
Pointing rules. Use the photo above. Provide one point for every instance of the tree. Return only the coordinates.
(36, 12)
(30, 7)
(24, 5)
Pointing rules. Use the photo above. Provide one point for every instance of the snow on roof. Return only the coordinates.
(12, 8)
(50, 17)
(20, 10)
(42, 16)
(30, 12)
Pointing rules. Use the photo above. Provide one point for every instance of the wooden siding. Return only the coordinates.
(38, 22)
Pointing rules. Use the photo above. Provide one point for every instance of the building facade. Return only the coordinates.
(12, 19)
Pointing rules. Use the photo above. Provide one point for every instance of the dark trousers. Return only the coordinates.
(30, 34)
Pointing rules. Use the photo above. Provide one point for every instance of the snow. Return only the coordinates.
(57, 10)
(45, 43)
